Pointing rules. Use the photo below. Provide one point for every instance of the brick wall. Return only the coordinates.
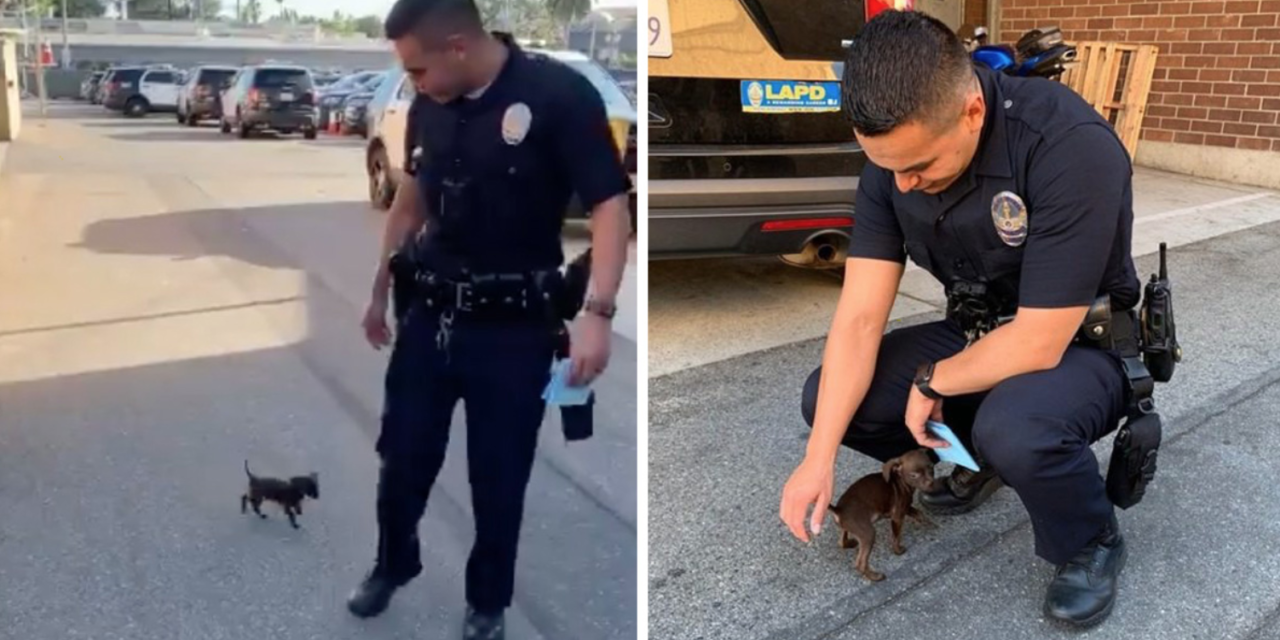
(1217, 79)
(975, 12)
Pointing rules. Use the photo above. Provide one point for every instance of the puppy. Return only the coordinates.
(877, 495)
(287, 493)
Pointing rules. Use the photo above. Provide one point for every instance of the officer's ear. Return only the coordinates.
(975, 111)
(890, 467)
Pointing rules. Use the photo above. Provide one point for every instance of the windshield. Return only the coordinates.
(215, 77)
(614, 99)
(282, 77)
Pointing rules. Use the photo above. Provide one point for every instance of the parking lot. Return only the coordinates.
(732, 342)
(176, 301)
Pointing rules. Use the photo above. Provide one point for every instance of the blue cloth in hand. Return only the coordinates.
(558, 391)
(956, 453)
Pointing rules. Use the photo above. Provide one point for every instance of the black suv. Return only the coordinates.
(277, 97)
(738, 162)
(200, 98)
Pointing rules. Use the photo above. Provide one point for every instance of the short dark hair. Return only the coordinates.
(903, 66)
(452, 16)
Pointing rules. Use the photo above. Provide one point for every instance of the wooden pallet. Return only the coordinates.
(1115, 79)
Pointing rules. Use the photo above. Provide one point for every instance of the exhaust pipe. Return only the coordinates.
(827, 251)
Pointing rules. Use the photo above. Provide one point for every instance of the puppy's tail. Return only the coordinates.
(246, 469)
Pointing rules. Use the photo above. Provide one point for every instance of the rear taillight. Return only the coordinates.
(254, 96)
(309, 97)
(806, 223)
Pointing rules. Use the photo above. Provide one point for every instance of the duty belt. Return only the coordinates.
(499, 293)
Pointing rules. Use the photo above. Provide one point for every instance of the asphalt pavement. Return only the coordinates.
(726, 432)
(176, 302)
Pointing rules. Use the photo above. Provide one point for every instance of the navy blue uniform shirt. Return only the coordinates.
(497, 171)
(1044, 212)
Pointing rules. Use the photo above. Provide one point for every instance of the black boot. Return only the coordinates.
(373, 594)
(484, 626)
(1083, 591)
(962, 491)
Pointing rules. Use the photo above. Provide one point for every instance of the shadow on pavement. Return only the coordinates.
(151, 453)
(183, 134)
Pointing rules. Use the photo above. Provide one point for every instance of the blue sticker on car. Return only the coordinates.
(788, 96)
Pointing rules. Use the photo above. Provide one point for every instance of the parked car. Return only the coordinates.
(355, 107)
(384, 154)
(89, 86)
(137, 91)
(377, 106)
(742, 163)
(333, 96)
(201, 97)
(277, 97)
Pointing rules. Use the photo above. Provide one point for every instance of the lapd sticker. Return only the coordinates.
(785, 96)
(515, 123)
(1009, 214)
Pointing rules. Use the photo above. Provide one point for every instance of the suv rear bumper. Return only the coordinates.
(719, 217)
(291, 119)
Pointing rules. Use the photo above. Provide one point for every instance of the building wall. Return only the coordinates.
(1217, 79)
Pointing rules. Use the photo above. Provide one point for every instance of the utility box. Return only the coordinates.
(10, 95)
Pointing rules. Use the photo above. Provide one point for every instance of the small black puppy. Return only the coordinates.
(287, 493)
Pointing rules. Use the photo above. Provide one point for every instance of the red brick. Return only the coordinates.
(1267, 131)
(1189, 138)
(1267, 34)
(1102, 23)
(1194, 88)
(1269, 6)
(1227, 20)
(1128, 23)
(1238, 35)
(1173, 35)
(1175, 61)
(1176, 8)
(1242, 6)
(1201, 62)
(1258, 117)
(1239, 102)
(1114, 10)
(1145, 9)
(1061, 12)
(1157, 136)
(1157, 22)
(1145, 35)
(1175, 124)
(1215, 75)
(1237, 129)
(1225, 115)
(1087, 35)
(1220, 49)
(1272, 76)
(1233, 62)
(1181, 99)
(1228, 89)
(1256, 144)
(1250, 75)
(1266, 62)
(1088, 12)
(1170, 86)
(1259, 20)
(1271, 104)
(1185, 74)
(1113, 36)
(1162, 111)
(1206, 126)
(1220, 141)
(1188, 22)
(1160, 74)
(1204, 34)
(1073, 24)
(1208, 8)
(1154, 123)
(1204, 100)
(1193, 113)
(1253, 48)
(1266, 90)
(1275, 145)
(1193, 48)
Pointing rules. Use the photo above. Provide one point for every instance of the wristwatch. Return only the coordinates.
(924, 376)
(601, 308)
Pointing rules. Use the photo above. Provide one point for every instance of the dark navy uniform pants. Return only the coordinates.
(498, 369)
(1034, 429)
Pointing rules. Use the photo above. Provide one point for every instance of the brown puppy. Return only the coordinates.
(877, 495)
(287, 493)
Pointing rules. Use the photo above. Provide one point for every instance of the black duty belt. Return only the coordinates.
(503, 293)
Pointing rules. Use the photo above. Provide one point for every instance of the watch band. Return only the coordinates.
(924, 376)
(601, 308)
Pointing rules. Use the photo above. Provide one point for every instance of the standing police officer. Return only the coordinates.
(498, 140)
(1017, 196)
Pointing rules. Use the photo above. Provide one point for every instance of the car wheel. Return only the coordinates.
(243, 131)
(135, 108)
(226, 126)
(193, 121)
(381, 191)
(309, 134)
(181, 118)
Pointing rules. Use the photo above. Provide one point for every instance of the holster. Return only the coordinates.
(1137, 442)
(577, 421)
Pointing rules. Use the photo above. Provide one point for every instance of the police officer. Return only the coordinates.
(1017, 196)
(498, 140)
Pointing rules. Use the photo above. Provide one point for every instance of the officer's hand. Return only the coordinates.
(589, 349)
(919, 409)
(375, 324)
(810, 485)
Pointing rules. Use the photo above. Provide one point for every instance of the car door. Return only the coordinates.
(395, 122)
(158, 88)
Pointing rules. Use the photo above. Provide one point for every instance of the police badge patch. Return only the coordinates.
(1009, 214)
(515, 123)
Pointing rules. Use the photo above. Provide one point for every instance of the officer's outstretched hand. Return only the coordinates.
(589, 349)
(375, 324)
(920, 409)
(810, 485)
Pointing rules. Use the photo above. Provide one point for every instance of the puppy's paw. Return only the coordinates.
(899, 550)
(873, 576)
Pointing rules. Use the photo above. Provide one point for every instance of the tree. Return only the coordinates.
(370, 26)
(81, 9)
(568, 11)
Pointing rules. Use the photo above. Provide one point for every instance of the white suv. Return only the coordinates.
(137, 91)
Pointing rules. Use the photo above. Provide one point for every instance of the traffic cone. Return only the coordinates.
(333, 122)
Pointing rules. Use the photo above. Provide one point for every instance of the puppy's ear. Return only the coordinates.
(890, 467)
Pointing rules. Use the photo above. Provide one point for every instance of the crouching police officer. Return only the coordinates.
(1016, 195)
(498, 140)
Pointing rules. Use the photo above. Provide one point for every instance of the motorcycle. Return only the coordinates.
(1039, 53)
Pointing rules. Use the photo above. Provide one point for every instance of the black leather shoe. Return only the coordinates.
(961, 492)
(484, 626)
(373, 595)
(1083, 591)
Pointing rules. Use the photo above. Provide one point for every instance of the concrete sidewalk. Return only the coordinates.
(725, 437)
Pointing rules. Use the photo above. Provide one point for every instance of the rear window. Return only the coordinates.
(215, 77)
(127, 75)
(160, 77)
(275, 78)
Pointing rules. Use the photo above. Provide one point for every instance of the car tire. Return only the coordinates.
(309, 134)
(181, 118)
(136, 107)
(226, 126)
(193, 121)
(243, 131)
(381, 191)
